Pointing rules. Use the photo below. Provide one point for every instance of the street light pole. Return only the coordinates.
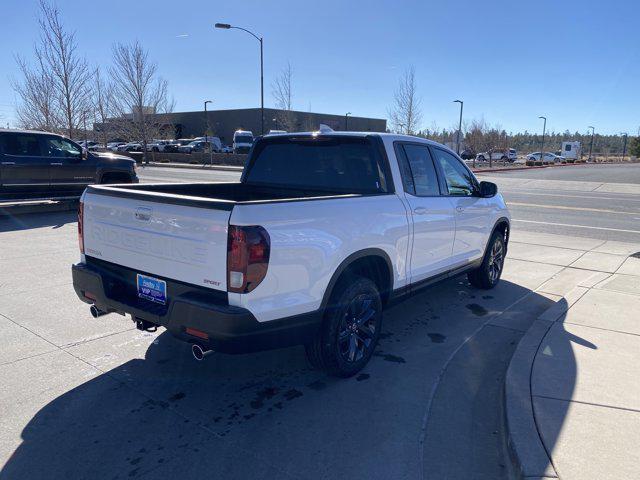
(593, 130)
(459, 126)
(206, 128)
(346, 121)
(401, 125)
(624, 146)
(544, 130)
(226, 26)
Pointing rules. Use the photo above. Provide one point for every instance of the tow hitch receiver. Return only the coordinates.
(145, 325)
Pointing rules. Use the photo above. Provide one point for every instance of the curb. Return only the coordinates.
(10, 209)
(528, 455)
(193, 166)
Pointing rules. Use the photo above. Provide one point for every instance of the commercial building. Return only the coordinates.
(222, 123)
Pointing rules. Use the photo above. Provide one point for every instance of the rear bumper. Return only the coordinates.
(229, 329)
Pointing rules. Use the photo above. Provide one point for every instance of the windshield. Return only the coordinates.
(244, 139)
(332, 164)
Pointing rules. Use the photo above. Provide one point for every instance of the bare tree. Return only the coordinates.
(282, 94)
(57, 56)
(37, 108)
(406, 112)
(139, 92)
(103, 103)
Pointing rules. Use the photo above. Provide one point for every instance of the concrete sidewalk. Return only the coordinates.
(572, 390)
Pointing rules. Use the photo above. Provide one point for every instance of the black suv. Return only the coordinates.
(52, 165)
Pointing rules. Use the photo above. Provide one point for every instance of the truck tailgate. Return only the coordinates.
(181, 242)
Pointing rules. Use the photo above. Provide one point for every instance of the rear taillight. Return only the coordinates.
(81, 226)
(248, 251)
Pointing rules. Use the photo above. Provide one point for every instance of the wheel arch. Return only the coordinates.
(373, 263)
(502, 225)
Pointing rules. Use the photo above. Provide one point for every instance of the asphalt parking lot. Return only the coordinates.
(95, 398)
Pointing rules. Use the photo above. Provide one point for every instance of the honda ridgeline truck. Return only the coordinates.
(322, 231)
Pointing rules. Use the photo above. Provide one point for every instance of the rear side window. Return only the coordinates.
(418, 173)
(341, 164)
(21, 144)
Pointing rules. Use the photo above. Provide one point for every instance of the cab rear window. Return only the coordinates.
(343, 164)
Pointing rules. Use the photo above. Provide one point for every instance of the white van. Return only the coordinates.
(242, 141)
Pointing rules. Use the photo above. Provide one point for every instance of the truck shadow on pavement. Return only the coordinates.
(30, 221)
(151, 410)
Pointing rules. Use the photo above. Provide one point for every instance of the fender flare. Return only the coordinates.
(367, 252)
(493, 230)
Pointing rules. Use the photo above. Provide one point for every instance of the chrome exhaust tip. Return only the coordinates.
(96, 312)
(200, 353)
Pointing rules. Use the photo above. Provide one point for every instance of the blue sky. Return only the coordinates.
(576, 62)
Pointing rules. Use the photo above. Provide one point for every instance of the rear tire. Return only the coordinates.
(487, 275)
(350, 329)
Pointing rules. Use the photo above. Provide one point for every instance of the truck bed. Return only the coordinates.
(218, 195)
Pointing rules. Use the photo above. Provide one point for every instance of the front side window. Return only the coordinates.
(60, 148)
(21, 144)
(460, 181)
(418, 172)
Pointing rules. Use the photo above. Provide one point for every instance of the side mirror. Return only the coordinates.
(488, 189)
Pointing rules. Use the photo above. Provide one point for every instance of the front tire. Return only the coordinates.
(350, 329)
(487, 275)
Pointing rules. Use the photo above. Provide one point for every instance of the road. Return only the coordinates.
(559, 200)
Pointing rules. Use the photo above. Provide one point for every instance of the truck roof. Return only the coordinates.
(384, 135)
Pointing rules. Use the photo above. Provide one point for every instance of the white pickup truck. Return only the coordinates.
(321, 233)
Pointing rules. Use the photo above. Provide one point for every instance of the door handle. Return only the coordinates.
(56, 163)
(420, 210)
(8, 163)
(459, 209)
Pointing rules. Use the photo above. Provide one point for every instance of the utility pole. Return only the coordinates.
(459, 126)
(593, 130)
(624, 146)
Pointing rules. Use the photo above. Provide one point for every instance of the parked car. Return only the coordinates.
(242, 141)
(89, 145)
(467, 154)
(113, 146)
(227, 149)
(171, 147)
(548, 157)
(212, 142)
(307, 248)
(508, 155)
(130, 147)
(157, 145)
(199, 146)
(41, 162)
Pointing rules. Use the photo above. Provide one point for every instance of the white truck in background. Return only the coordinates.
(322, 232)
(571, 150)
